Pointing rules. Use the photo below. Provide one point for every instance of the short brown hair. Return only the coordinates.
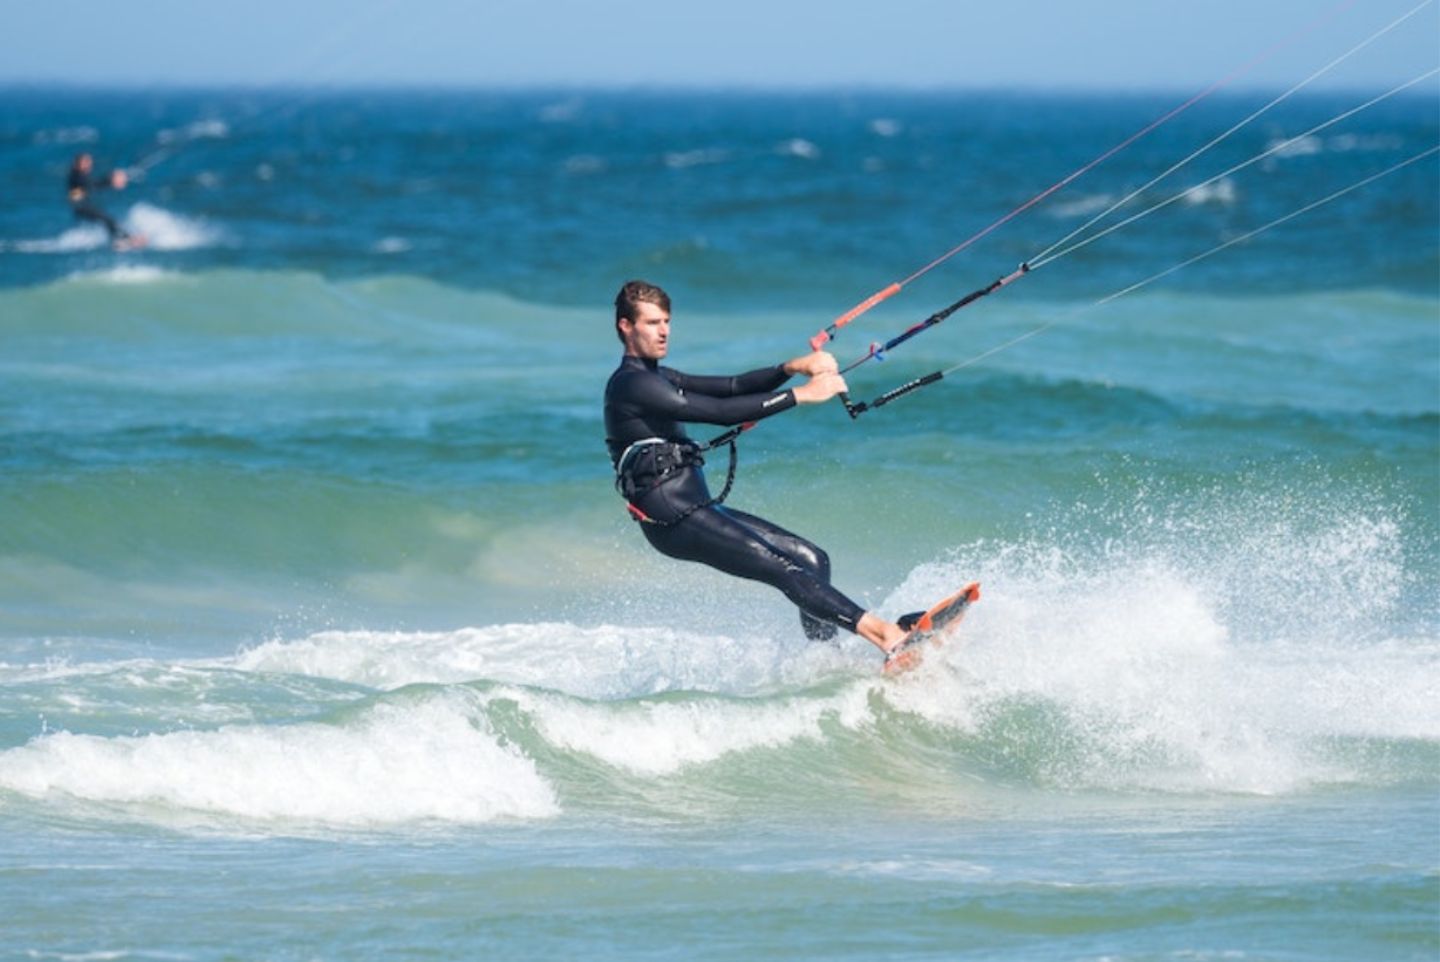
(634, 293)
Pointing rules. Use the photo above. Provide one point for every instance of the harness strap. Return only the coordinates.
(728, 438)
(625, 455)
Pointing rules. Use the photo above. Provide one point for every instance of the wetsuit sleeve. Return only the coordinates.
(680, 402)
(751, 382)
(88, 183)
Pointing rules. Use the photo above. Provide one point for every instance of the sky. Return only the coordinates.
(1027, 44)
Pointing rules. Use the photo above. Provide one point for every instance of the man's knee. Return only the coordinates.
(813, 557)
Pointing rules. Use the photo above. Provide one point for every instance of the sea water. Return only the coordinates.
(323, 634)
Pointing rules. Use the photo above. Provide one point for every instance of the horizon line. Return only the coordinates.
(650, 87)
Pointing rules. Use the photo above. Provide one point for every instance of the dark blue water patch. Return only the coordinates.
(1031, 409)
(539, 447)
(799, 199)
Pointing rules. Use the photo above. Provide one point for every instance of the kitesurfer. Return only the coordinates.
(658, 467)
(81, 183)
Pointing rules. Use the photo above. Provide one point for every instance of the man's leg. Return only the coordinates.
(806, 552)
(92, 213)
(724, 540)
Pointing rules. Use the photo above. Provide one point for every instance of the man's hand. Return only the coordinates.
(118, 180)
(813, 364)
(821, 387)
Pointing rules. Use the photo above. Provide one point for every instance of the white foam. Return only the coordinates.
(798, 147)
(392, 245)
(607, 661)
(68, 135)
(163, 231)
(1295, 147)
(394, 763)
(660, 737)
(680, 159)
(166, 231)
(1082, 206)
(584, 164)
(1220, 192)
(1164, 672)
(196, 130)
(84, 237)
(1345, 143)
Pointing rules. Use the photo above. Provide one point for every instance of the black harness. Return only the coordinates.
(650, 462)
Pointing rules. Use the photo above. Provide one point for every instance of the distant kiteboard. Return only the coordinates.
(134, 242)
(934, 627)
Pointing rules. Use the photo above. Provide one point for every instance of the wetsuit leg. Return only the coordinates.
(808, 553)
(92, 213)
(723, 540)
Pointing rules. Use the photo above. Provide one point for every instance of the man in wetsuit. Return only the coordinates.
(81, 183)
(657, 466)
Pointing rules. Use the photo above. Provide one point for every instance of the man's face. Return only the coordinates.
(647, 334)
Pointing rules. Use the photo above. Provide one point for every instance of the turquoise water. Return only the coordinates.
(323, 635)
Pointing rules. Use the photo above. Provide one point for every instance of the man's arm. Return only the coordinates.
(726, 386)
(679, 399)
(115, 180)
(757, 381)
(662, 396)
(79, 187)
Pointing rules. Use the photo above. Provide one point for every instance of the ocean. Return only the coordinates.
(323, 634)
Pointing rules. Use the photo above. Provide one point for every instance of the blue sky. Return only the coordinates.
(755, 43)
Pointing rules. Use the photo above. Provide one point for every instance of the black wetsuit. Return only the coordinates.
(645, 404)
(78, 187)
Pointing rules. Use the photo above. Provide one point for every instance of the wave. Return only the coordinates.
(389, 763)
(1175, 716)
(1167, 662)
(245, 304)
(1294, 318)
(1244, 359)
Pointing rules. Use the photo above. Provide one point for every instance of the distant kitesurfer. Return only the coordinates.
(81, 183)
(657, 467)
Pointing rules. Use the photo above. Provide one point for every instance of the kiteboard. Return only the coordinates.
(934, 626)
(133, 242)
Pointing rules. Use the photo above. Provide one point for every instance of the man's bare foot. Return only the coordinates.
(904, 659)
(883, 634)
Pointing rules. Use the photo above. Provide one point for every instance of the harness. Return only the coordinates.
(650, 462)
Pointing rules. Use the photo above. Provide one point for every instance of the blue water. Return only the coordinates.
(323, 635)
